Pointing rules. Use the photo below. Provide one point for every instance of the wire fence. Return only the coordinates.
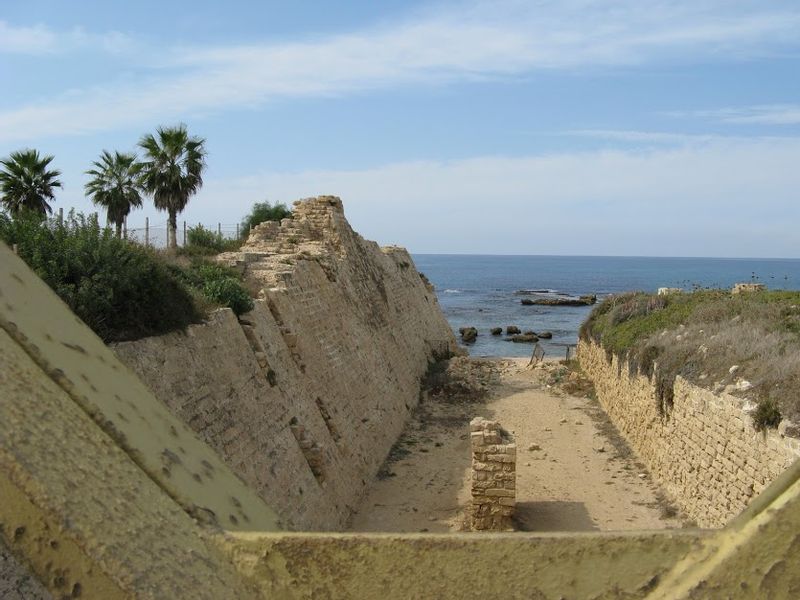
(155, 234)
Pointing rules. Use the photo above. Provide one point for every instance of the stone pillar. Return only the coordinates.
(494, 458)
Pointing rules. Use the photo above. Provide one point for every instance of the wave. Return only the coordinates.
(452, 291)
(540, 291)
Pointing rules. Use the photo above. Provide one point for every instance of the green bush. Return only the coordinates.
(121, 290)
(261, 212)
(205, 238)
(228, 292)
(204, 242)
(216, 283)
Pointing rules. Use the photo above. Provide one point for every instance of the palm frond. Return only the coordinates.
(26, 183)
(115, 184)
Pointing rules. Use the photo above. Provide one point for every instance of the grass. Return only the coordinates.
(747, 344)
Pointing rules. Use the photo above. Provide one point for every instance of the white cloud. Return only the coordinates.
(457, 42)
(42, 40)
(26, 40)
(646, 137)
(726, 197)
(762, 114)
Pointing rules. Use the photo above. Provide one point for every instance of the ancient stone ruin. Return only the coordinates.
(303, 396)
(744, 288)
(494, 458)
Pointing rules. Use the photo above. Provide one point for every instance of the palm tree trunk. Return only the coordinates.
(118, 225)
(172, 229)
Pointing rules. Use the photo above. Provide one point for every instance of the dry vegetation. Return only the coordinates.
(460, 379)
(745, 344)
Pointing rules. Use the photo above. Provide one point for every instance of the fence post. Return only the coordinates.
(184, 233)
(146, 232)
(15, 248)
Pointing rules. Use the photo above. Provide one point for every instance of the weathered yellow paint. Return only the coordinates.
(508, 566)
(81, 513)
(67, 350)
(756, 556)
(54, 556)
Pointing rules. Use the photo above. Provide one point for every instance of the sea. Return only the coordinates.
(485, 291)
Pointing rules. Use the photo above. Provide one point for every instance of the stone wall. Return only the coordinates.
(494, 461)
(304, 396)
(16, 580)
(705, 452)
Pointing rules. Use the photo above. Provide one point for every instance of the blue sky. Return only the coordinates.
(541, 127)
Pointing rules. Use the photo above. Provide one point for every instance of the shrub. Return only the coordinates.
(228, 292)
(204, 242)
(261, 212)
(122, 291)
(218, 284)
(767, 414)
(205, 238)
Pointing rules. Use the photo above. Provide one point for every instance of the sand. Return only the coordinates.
(574, 472)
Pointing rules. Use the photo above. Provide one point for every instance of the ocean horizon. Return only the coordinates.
(485, 290)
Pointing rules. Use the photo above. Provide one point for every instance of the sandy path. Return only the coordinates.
(583, 477)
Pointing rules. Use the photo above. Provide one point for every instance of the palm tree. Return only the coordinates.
(25, 182)
(172, 171)
(116, 185)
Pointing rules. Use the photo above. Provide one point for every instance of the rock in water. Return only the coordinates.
(512, 330)
(545, 335)
(587, 300)
(497, 331)
(468, 334)
(524, 338)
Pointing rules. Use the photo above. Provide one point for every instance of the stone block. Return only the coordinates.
(497, 492)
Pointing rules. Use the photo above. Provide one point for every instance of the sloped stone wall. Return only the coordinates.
(305, 395)
(705, 452)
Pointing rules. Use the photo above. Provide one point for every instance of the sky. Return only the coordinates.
(572, 127)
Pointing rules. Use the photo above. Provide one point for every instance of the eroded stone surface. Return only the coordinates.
(705, 453)
(305, 395)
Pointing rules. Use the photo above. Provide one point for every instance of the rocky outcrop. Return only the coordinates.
(468, 334)
(304, 396)
(669, 291)
(745, 288)
(513, 330)
(587, 300)
(523, 338)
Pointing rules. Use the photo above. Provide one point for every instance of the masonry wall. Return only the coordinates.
(494, 460)
(705, 452)
(304, 396)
